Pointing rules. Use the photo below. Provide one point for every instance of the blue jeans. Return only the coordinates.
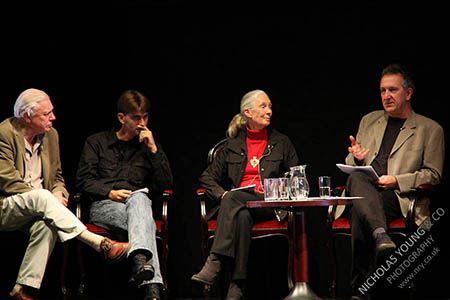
(136, 217)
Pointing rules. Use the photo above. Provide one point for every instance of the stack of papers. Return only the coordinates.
(368, 170)
(248, 187)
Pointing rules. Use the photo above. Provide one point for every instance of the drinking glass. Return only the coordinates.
(271, 189)
(324, 186)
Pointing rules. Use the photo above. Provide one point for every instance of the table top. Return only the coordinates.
(312, 201)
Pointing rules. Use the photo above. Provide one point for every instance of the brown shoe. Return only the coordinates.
(113, 251)
(19, 295)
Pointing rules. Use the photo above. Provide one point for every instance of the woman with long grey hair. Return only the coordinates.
(252, 152)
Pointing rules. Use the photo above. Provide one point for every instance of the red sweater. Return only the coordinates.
(256, 143)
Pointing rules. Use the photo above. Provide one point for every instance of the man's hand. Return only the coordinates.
(358, 152)
(59, 195)
(119, 195)
(146, 136)
(387, 182)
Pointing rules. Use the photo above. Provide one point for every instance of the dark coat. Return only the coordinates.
(104, 167)
(226, 171)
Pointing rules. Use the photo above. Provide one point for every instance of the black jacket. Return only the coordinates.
(107, 163)
(227, 169)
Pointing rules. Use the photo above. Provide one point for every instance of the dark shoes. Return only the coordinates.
(143, 273)
(235, 292)
(142, 270)
(384, 245)
(113, 251)
(360, 297)
(152, 292)
(210, 271)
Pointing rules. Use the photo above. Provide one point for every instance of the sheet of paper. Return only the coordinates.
(248, 187)
(144, 190)
(368, 170)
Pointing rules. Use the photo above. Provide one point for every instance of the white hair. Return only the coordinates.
(240, 120)
(27, 102)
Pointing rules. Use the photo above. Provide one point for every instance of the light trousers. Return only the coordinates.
(136, 217)
(39, 214)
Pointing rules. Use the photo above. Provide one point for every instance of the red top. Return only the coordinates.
(256, 143)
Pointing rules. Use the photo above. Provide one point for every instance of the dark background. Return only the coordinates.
(320, 65)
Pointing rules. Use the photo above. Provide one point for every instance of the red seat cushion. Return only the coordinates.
(102, 231)
(96, 229)
(398, 223)
(271, 224)
(341, 223)
(344, 223)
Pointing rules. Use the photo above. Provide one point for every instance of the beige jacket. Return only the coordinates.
(12, 160)
(417, 156)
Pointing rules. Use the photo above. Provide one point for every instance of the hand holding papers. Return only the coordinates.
(368, 170)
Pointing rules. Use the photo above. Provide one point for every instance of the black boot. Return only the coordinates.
(210, 271)
(142, 270)
(152, 291)
(384, 245)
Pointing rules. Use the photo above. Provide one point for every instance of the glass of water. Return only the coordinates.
(271, 189)
(324, 186)
(283, 188)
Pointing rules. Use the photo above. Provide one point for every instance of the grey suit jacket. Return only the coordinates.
(417, 156)
(12, 160)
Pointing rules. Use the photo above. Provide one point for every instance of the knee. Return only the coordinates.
(139, 199)
(41, 196)
(244, 217)
(41, 193)
(225, 203)
(356, 178)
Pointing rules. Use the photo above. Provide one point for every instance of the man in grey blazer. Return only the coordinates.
(406, 150)
(33, 195)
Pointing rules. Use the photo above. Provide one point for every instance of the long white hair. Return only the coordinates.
(239, 121)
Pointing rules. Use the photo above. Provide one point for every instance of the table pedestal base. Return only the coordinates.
(302, 291)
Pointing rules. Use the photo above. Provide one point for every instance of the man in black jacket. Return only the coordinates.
(116, 170)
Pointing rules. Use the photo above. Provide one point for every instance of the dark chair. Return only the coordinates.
(259, 230)
(398, 228)
(162, 236)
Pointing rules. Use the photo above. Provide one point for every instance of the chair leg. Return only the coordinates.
(82, 285)
(163, 266)
(290, 269)
(63, 270)
(333, 266)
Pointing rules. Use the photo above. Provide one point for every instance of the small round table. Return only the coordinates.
(301, 289)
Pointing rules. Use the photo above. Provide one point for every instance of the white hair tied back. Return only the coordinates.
(27, 102)
(239, 121)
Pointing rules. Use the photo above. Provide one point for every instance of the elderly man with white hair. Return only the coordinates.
(33, 196)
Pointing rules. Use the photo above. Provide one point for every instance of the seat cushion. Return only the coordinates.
(341, 223)
(102, 231)
(271, 224)
(398, 223)
(344, 223)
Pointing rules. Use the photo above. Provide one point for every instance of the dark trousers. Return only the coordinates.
(377, 209)
(233, 228)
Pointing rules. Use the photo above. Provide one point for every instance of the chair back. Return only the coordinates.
(214, 151)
